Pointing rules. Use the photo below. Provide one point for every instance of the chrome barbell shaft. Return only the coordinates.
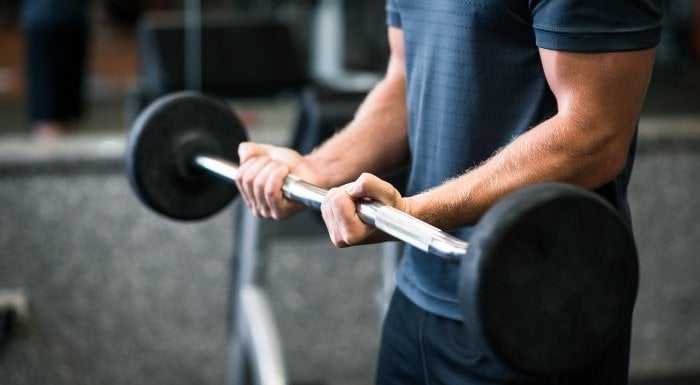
(392, 221)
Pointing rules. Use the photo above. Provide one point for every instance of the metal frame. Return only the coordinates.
(14, 313)
(256, 349)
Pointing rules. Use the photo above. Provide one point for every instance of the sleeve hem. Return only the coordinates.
(393, 19)
(598, 42)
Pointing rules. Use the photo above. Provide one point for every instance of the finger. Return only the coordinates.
(241, 185)
(248, 150)
(260, 188)
(370, 186)
(349, 228)
(276, 201)
(329, 217)
(340, 223)
(246, 180)
(352, 229)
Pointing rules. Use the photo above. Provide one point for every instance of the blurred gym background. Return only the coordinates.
(97, 289)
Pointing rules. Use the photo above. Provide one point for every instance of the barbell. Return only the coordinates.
(547, 280)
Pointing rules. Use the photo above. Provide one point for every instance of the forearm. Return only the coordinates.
(559, 149)
(375, 141)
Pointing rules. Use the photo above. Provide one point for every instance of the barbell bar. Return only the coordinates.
(392, 221)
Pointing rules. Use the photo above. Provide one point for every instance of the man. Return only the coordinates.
(56, 34)
(480, 98)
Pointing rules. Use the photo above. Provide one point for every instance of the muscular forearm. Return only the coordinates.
(556, 150)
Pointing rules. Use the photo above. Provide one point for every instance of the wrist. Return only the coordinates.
(441, 208)
(412, 207)
(326, 172)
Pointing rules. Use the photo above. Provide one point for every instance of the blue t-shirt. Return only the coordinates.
(475, 81)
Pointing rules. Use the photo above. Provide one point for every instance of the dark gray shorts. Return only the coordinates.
(419, 347)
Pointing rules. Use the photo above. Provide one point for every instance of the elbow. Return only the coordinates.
(610, 154)
(610, 167)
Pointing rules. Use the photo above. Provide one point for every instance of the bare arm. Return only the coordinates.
(599, 96)
(376, 141)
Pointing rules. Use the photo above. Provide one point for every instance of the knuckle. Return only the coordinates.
(330, 198)
(259, 183)
(335, 240)
(351, 237)
(271, 188)
(243, 151)
(365, 178)
(247, 178)
(339, 242)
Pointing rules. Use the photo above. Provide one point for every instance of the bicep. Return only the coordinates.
(599, 88)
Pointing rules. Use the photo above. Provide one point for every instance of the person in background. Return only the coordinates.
(56, 35)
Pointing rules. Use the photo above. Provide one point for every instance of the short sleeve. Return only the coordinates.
(596, 25)
(393, 17)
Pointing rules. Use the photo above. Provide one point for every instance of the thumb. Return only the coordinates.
(370, 186)
(247, 150)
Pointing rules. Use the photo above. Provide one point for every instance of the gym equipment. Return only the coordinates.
(548, 279)
(14, 313)
(196, 48)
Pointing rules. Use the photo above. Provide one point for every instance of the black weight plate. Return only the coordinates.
(550, 279)
(160, 150)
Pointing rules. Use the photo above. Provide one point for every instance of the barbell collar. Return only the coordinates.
(390, 220)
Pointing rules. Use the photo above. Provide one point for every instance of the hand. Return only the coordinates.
(339, 210)
(261, 173)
